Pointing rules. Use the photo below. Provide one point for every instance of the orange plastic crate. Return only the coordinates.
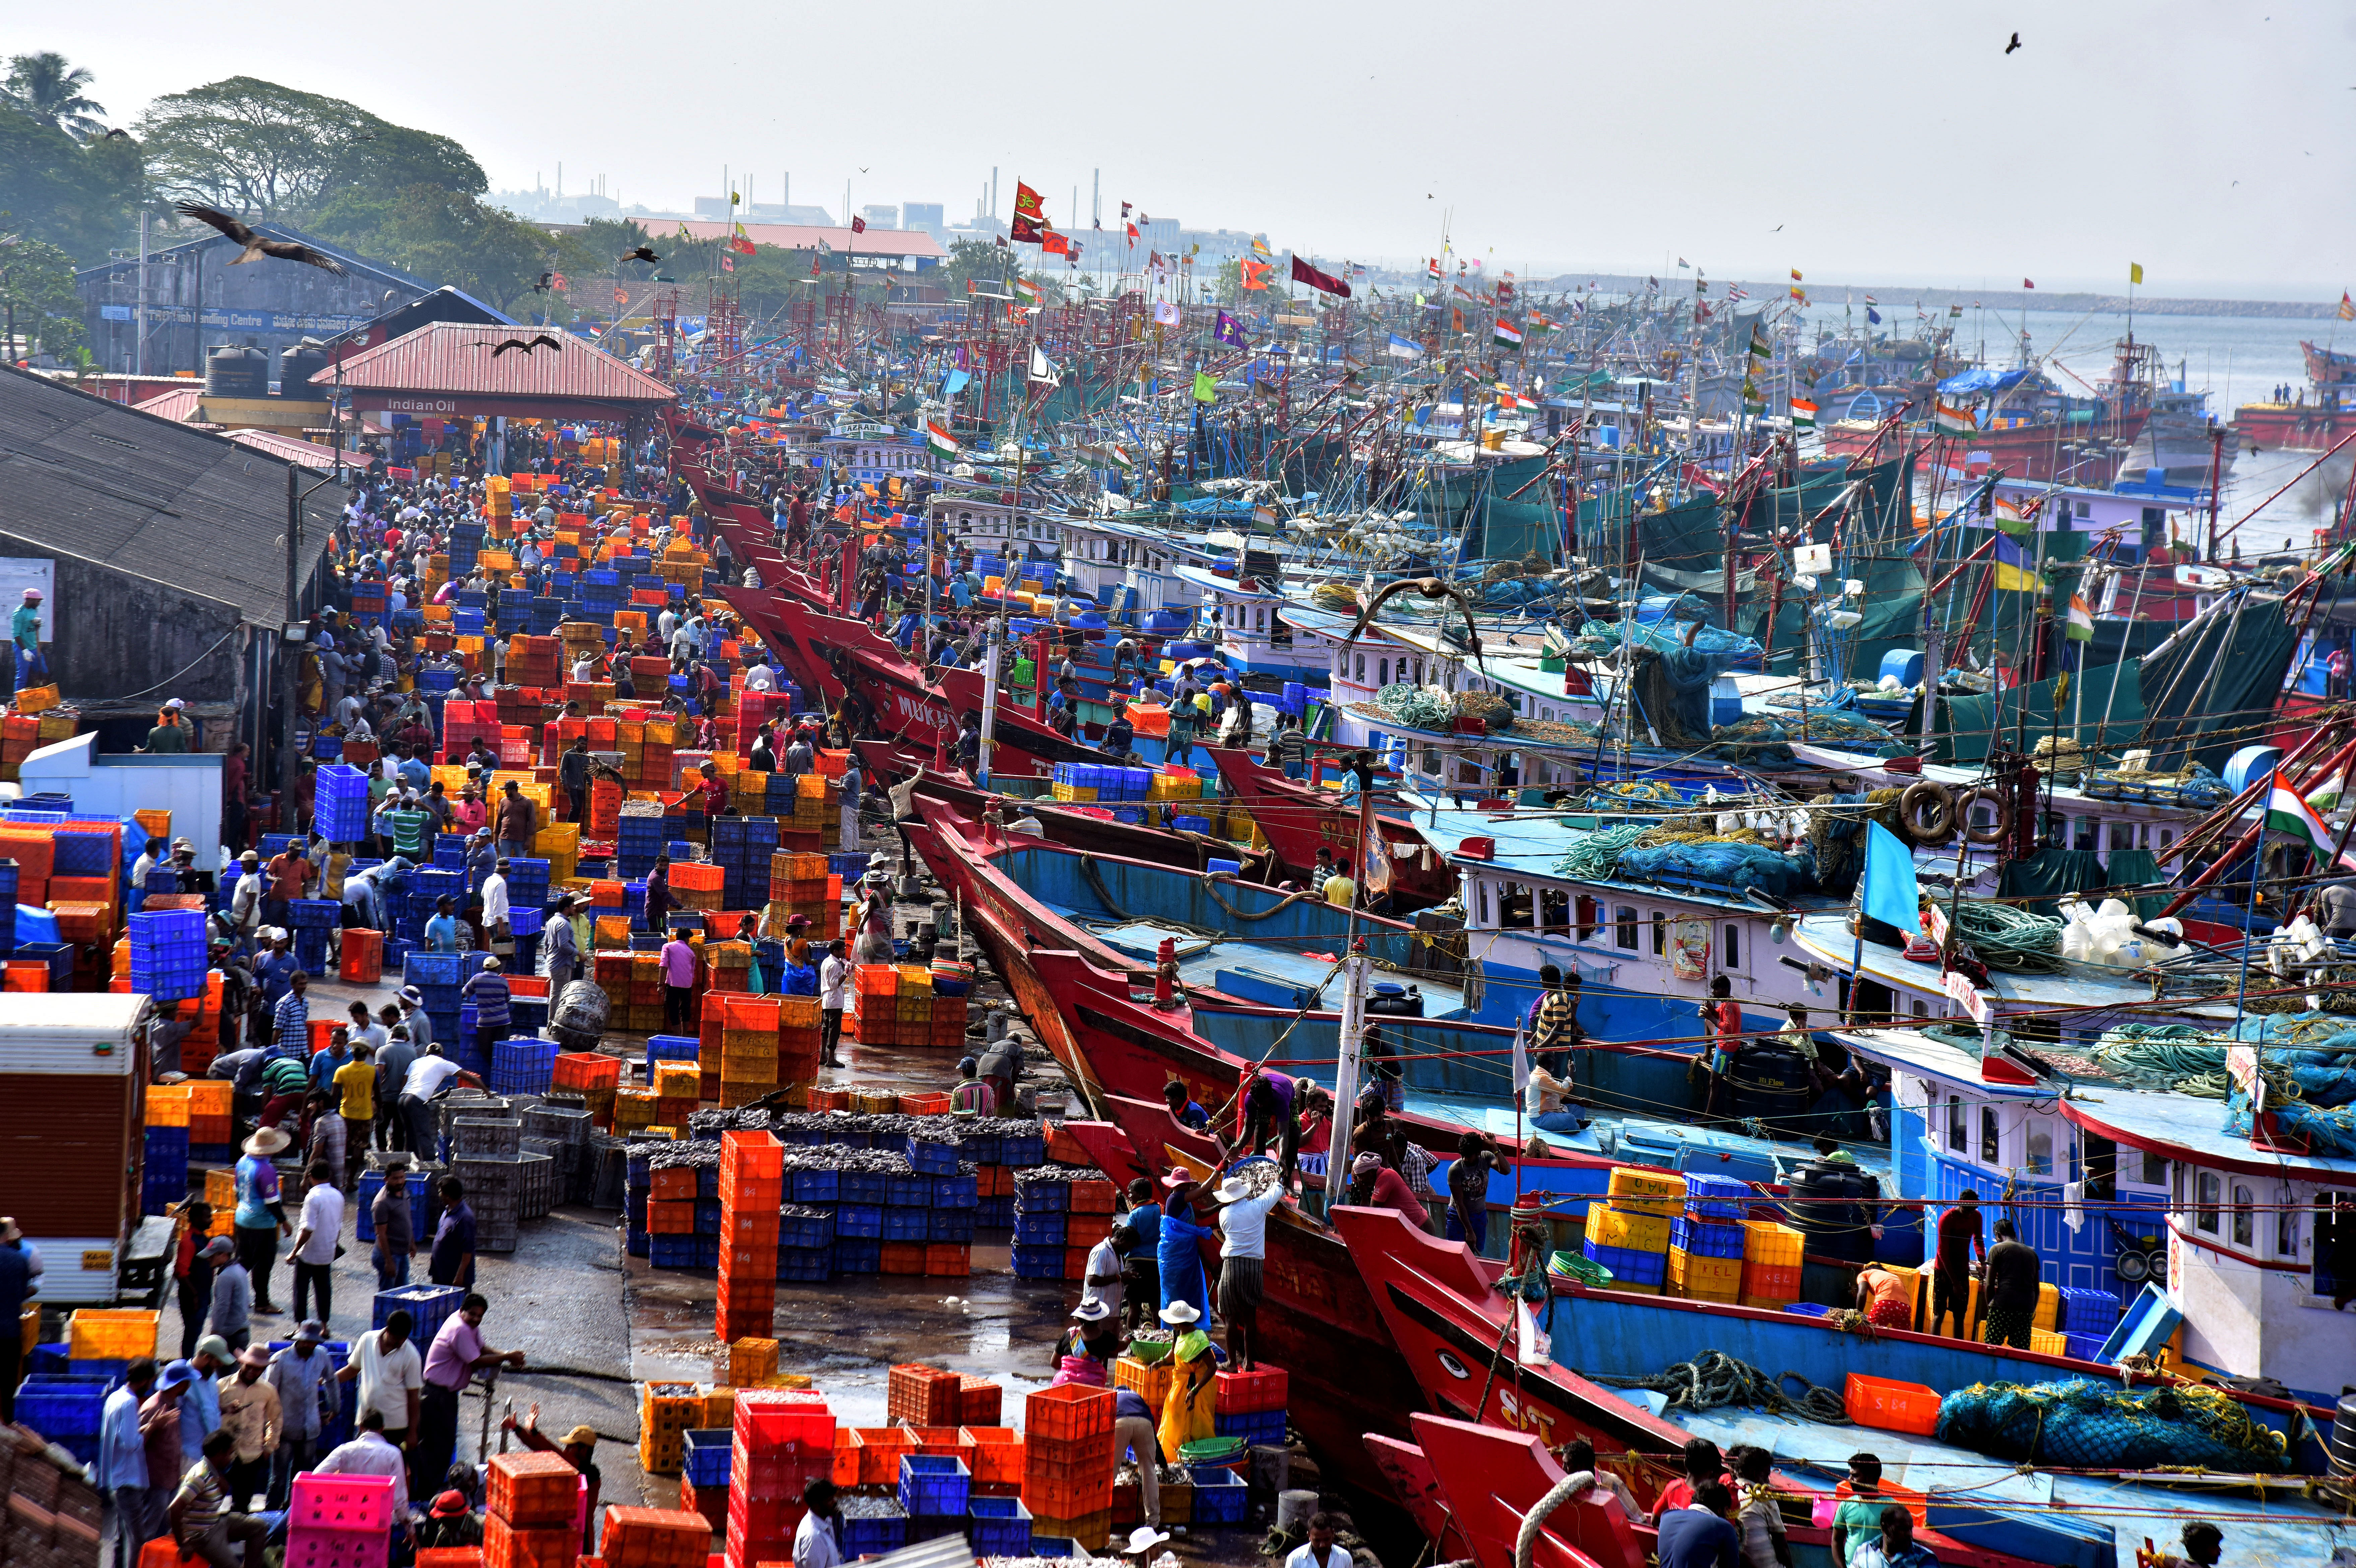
(1067, 1413)
(948, 1259)
(880, 1448)
(655, 1538)
(934, 1103)
(997, 1454)
(509, 1545)
(1891, 1407)
(363, 956)
(529, 1488)
(902, 1257)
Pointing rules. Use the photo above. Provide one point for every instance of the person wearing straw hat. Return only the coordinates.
(1086, 1350)
(1243, 1222)
(1190, 1410)
(261, 1219)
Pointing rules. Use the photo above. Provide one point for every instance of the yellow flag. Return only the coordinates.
(2135, 271)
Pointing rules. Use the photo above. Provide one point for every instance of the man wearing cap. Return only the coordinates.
(200, 1401)
(1243, 1220)
(457, 1353)
(488, 989)
(1102, 1279)
(25, 639)
(450, 1525)
(250, 1414)
(562, 948)
(170, 735)
(204, 1520)
(414, 1019)
(393, 1064)
(232, 1315)
(160, 1413)
(245, 900)
(973, 1096)
(396, 1240)
(120, 1472)
(309, 1399)
(579, 1448)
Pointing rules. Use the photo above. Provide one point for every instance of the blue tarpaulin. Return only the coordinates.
(1981, 380)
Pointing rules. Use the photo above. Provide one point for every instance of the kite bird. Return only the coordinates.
(2014, 45)
(643, 253)
(537, 340)
(542, 287)
(1430, 588)
(256, 246)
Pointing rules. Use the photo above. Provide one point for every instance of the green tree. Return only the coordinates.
(972, 259)
(252, 146)
(1229, 284)
(51, 91)
(454, 238)
(36, 291)
(82, 196)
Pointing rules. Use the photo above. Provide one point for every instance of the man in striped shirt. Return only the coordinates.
(489, 990)
(290, 1024)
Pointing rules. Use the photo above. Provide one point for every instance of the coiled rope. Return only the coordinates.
(2011, 939)
(1714, 1378)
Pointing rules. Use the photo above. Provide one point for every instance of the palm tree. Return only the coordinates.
(50, 91)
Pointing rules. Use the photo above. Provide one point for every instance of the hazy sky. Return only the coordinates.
(1891, 143)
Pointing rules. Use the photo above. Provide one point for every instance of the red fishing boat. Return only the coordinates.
(1298, 819)
(1079, 827)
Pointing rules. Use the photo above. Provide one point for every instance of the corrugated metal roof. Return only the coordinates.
(294, 449)
(805, 237)
(455, 359)
(268, 229)
(83, 478)
(178, 405)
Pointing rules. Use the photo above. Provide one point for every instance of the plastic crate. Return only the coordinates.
(340, 1503)
(1633, 1191)
(1891, 1407)
(1637, 1232)
(1033, 1230)
(854, 1255)
(876, 1532)
(1716, 1198)
(1039, 1262)
(1706, 1240)
(337, 1548)
(934, 1484)
(907, 1225)
(111, 1334)
(1067, 1412)
(1775, 1245)
(859, 1222)
(1244, 1393)
(1219, 1495)
(60, 1406)
(708, 1456)
(998, 1527)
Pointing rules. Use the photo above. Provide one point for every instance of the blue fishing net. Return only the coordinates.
(1738, 866)
(2079, 1423)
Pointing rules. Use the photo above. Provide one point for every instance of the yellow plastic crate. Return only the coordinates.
(109, 1334)
(1635, 1191)
(2045, 1343)
(1609, 1227)
(2049, 1308)
(1704, 1278)
(678, 1080)
(1773, 1245)
(167, 1105)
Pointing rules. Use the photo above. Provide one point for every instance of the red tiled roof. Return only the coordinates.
(455, 359)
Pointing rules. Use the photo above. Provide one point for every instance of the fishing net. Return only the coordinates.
(1720, 862)
(2015, 940)
(1596, 855)
(1715, 1379)
(1419, 707)
(2080, 1423)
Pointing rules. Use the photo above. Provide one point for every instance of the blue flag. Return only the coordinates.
(1890, 894)
(1229, 330)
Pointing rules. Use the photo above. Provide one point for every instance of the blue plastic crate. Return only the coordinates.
(1716, 1197)
(859, 1222)
(801, 1225)
(2091, 1312)
(1039, 1230)
(1629, 1266)
(429, 1306)
(1808, 1308)
(371, 1183)
(875, 1535)
(1219, 1495)
(955, 1191)
(1038, 1261)
(313, 914)
(1044, 1197)
(640, 1243)
(1021, 1150)
(928, 1157)
(80, 855)
(994, 1213)
(423, 969)
(672, 1252)
(62, 1406)
(169, 928)
(1258, 1427)
(1704, 1239)
(934, 1484)
(708, 1453)
(865, 1187)
(998, 1527)
(807, 1264)
(947, 1224)
(2085, 1347)
(814, 1186)
(980, 1149)
(857, 1256)
(906, 1224)
(908, 1191)
(707, 1216)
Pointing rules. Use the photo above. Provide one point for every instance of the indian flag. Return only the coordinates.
(2287, 813)
(1027, 289)
(1949, 420)
(2080, 628)
(1804, 414)
(1506, 335)
(1120, 458)
(940, 442)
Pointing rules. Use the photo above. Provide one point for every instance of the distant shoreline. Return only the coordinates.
(1901, 296)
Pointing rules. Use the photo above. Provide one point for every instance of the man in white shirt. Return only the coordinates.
(760, 676)
(1321, 1552)
(833, 996)
(372, 1453)
(1243, 1219)
(427, 1077)
(818, 1539)
(391, 1375)
(495, 908)
(315, 1240)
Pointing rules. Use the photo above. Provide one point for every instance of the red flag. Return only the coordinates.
(1132, 231)
(727, 264)
(621, 295)
(1030, 217)
(1255, 273)
(1302, 273)
(556, 280)
(1055, 243)
(743, 246)
(2028, 283)
(859, 226)
(1029, 230)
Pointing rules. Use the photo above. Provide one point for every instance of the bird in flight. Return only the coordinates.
(537, 340)
(117, 134)
(643, 253)
(256, 246)
(863, 168)
(2014, 45)
(542, 287)
(1778, 228)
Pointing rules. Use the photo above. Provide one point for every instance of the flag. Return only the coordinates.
(1953, 311)
(1124, 210)
(2135, 271)
(1055, 243)
(2016, 572)
(1324, 283)
(1041, 369)
(1506, 334)
(2028, 282)
(1872, 315)
(1804, 414)
(1869, 299)
(1759, 348)
(1432, 270)
(2326, 795)
(1754, 402)
(1400, 349)
(1259, 247)
(1206, 386)
(1799, 293)
(556, 280)
(741, 242)
(1030, 219)
(1120, 458)
(940, 442)
(1132, 232)
(1027, 289)
(2081, 627)
(1795, 274)
(1949, 420)
(1651, 282)
(1255, 273)
(1228, 329)
(2347, 306)
(1455, 319)
(1165, 313)
(1522, 1056)
(621, 295)
(1683, 262)
(1887, 888)
(727, 264)
(858, 225)
(2287, 813)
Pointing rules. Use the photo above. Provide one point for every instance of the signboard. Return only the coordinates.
(2242, 1067)
(236, 320)
(1973, 1002)
(1937, 921)
(21, 572)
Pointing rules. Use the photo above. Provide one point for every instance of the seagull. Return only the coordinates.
(643, 253)
(256, 246)
(2014, 45)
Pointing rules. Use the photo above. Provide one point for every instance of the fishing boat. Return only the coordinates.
(2316, 420)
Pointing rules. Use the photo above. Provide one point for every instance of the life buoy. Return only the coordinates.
(1993, 833)
(1926, 814)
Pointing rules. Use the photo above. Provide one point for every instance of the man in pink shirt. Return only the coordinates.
(456, 1355)
(679, 982)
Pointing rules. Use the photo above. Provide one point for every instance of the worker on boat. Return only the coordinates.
(1553, 1024)
(1179, 1251)
(1722, 1021)
(1183, 1109)
(2203, 1544)
(2009, 1298)
(1959, 1249)
(1885, 1298)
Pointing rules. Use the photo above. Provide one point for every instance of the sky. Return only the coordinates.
(1861, 143)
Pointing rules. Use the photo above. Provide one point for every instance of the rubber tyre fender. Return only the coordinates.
(1994, 834)
(1926, 799)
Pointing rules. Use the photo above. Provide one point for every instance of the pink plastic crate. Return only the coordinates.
(339, 1548)
(338, 1503)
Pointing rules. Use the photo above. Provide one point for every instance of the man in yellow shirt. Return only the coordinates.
(249, 1412)
(356, 1081)
(1339, 888)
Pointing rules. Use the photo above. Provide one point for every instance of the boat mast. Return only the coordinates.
(1354, 964)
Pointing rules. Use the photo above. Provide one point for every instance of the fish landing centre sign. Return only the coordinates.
(235, 320)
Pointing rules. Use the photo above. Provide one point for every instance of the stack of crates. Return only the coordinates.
(1771, 1264)
(638, 836)
(592, 1076)
(2085, 1319)
(752, 1188)
(523, 1065)
(164, 1169)
(799, 1025)
(1628, 1233)
(748, 1049)
(874, 1004)
(654, 1537)
(743, 846)
(341, 803)
(168, 953)
(339, 1521)
(1068, 1463)
(210, 1102)
(950, 1191)
(698, 885)
(1042, 1212)
(782, 1440)
(1251, 1405)
(531, 1502)
(935, 1491)
(667, 1413)
(1706, 1242)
